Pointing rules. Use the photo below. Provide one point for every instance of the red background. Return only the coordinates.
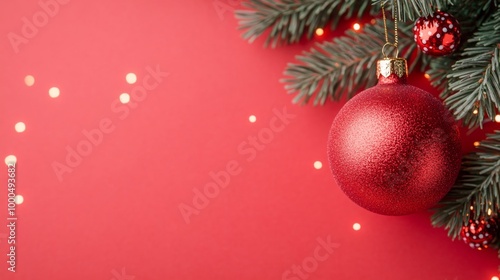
(116, 214)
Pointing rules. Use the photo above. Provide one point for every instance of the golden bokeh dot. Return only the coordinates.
(497, 118)
(131, 78)
(356, 26)
(252, 118)
(356, 226)
(20, 127)
(29, 80)
(19, 199)
(10, 159)
(318, 164)
(476, 144)
(54, 92)
(124, 98)
(320, 32)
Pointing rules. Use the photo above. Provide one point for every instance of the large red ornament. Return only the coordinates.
(479, 234)
(438, 34)
(394, 149)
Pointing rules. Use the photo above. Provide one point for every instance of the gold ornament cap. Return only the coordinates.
(392, 65)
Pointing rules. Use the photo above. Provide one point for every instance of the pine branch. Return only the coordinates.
(470, 19)
(290, 19)
(346, 65)
(475, 78)
(439, 68)
(413, 9)
(478, 186)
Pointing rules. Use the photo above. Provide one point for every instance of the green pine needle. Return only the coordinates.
(288, 20)
(344, 66)
(475, 78)
(410, 10)
(478, 186)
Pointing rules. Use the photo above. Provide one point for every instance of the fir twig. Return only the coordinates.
(475, 78)
(470, 19)
(413, 9)
(478, 186)
(288, 20)
(346, 65)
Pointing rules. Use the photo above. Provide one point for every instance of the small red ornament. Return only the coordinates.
(438, 34)
(394, 149)
(479, 234)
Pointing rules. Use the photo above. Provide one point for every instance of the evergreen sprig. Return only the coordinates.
(410, 10)
(475, 78)
(344, 66)
(289, 20)
(470, 19)
(477, 188)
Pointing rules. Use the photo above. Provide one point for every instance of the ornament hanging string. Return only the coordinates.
(387, 42)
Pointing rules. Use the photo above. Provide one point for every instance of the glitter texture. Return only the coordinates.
(394, 149)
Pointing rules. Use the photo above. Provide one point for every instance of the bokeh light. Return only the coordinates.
(356, 226)
(318, 164)
(54, 92)
(29, 80)
(320, 32)
(124, 98)
(20, 127)
(131, 78)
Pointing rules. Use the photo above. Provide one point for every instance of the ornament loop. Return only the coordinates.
(387, 43)
(392, 45)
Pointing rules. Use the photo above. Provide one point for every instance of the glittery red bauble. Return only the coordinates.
(479, 234)
(438, 34)
(394, 149)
